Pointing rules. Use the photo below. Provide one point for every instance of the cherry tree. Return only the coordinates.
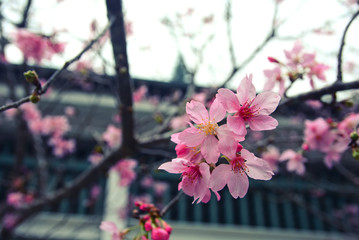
(209, 129)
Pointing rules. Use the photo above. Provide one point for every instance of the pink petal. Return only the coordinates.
(108, 227)
(262, 122)
(228, 99)
(228, 146)
(202, 185)
(217, 111)
(209, 149)
(246, 90)
(237, 125)
(238, 184)
(287, 154)
(257, 167)
(265, 103)
(197, 112)
(177, 165)
(191, 137)
(224, 132)
(219, 177)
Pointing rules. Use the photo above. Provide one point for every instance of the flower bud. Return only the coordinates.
(354, 136)
(33, 78)
(34, 98)
(159, 234)
(355, 153)
(272, 60)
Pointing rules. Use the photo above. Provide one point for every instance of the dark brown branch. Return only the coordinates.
(340, 53)
(166, 208)
(124, 82)
(25, 15)
(317, 94)
(81, 181)
(58, 72)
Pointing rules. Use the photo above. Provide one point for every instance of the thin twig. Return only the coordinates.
(340, 53)
(55, 75)
(166, 208)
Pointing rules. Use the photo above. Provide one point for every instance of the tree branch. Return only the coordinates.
(58, 72)
(342, 43)
(317, 94)
(125, 85)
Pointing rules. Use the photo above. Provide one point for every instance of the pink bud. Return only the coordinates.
(148, 225)
(305, 147)
(239, 148)
(159, 234)
(272, 60)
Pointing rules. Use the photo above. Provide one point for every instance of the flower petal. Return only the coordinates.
(219, 177)
(246, 91)
(238, 184)
(197, 112)
(257, 167)
(177, 165)
(217, 111)
(265, 103)
(237, 125)
(262, 122)
(228, 99)
(209, 149)
(191, 137)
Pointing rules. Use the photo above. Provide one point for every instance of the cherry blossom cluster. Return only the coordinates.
(151, 225)
(323, 135)
(298, 65)
(36, 47)
(294, 159)
(208, 138)
(53, 127)
(332, 138)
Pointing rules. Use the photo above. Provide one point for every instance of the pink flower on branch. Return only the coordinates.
(242, 164)
(126, 169)
(207, 134)
(249, 108)
(317, 135)
(195, 177)
(295, 161)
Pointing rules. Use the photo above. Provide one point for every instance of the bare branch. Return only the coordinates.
(342, 43)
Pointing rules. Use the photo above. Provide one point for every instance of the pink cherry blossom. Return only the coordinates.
(207, 135)
(271, 156)
(112, 228)
(61, 147)
(36, 47)
(349, 124)
(274, 76)
(296, 58)
(249, 108)
(126, 169)
(334, 153)
(140, 94)
(295, 161)
(195, 177)
(56, 125)
(15, 199)
(242, 164)
(317, 135)
(95, 158)
(112, 136)
(179, 122)
(160, 187)
(317, 70)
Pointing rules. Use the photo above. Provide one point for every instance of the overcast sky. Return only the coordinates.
(153, 51)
